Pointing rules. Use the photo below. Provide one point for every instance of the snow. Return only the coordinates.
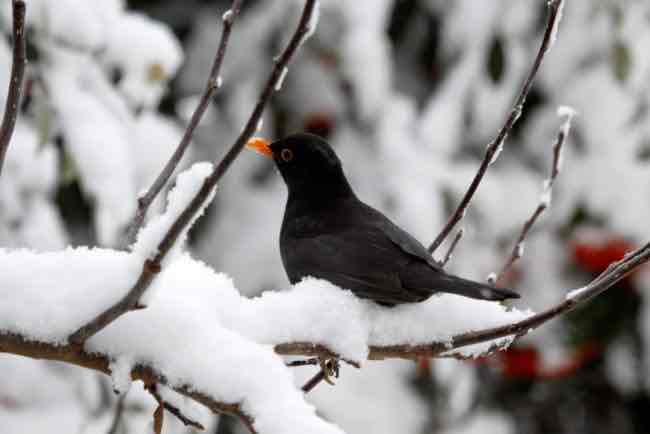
(568, 113)
(520, 249)
(188, 184)
(121, 374)
(178, 333)
(311, 311)
(75, 87)
(547, 193)
(90, 280)
(577, 294)
(227, 16)
(148, 55)
(280, 83)
(392, 407)
(416, 140)
(497, 153)
(312, 23)
(187, 406)
(554, 30)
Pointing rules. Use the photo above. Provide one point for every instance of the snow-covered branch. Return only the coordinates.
(164, 244)
(514, 330)
(19, 345)
(12, 105)
(494, 148)
(212, 85)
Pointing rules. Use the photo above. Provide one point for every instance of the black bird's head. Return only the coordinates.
(308, 165)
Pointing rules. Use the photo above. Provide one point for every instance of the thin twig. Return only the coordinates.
(452, 247)
(153, 390)
(158, 418)
(493, 149)
(607, 279)
(151, 267)
(329, 367)
(12, 106)
(117, 416)
(304, 362)
(518, 249)
(213, 83)
(313, 381)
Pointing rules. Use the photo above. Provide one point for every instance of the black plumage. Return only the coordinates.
(327, 232)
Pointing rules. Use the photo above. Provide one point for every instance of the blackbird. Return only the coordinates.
(328, 233)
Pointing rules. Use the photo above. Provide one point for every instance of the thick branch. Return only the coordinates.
(213, 83)
(152, 267)
(496, 145)
(16, 81)
(613, 274)
(72, 354)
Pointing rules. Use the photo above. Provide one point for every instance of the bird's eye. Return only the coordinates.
(286, 155)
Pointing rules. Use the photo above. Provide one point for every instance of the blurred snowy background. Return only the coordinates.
(409, 92)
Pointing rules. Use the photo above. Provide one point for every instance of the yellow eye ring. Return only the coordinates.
(286, 155)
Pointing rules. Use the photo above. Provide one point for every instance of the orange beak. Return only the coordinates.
(260, 145)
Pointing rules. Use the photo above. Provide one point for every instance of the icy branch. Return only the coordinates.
(213, 83)
(545, 197)
(12, 105)
(151, 267)
(496, 145)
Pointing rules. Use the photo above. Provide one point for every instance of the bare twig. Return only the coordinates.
(613, 274)
(493, 149)
(518, 249)
(151, 267)
(158, 418)
(452, 247)
(16, 81)
(153, 390)
(213, 83)
(329, 367)
(313, 381)
(305, 362)
(117, 416)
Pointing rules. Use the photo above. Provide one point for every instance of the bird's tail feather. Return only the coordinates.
(477, 290)
(426, 281)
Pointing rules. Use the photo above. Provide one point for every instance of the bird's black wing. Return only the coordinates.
(361, 259)
(400, 237)
(426, 276)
